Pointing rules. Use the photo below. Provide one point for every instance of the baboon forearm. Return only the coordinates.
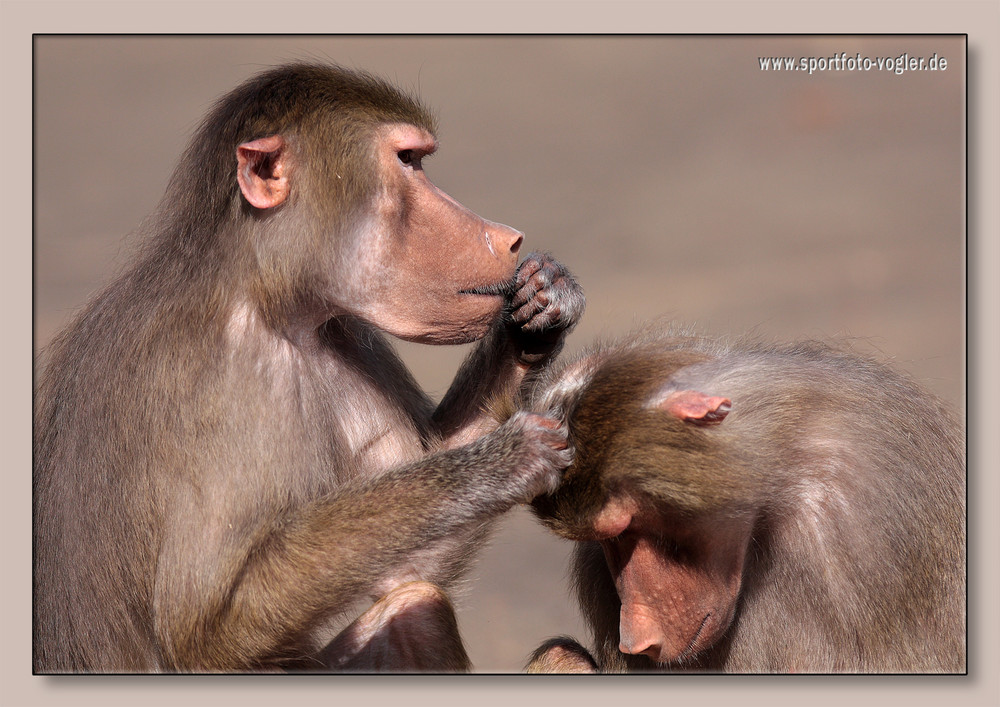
(310, 567)
(544, 304)
(490, 374)
(318, 560)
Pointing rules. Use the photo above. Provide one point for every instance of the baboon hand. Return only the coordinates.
(546, 304)
(543, 452)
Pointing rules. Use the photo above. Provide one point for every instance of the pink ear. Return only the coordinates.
(698, 408)
(263, 171)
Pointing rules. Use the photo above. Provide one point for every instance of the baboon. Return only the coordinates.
(756, 508)
(229, 455)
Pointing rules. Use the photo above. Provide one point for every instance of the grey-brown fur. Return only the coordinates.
(851, 477)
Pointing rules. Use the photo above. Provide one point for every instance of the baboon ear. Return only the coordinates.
(696, 407)
(263, 171)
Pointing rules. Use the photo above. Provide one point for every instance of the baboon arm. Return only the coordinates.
(491, 373)
(251, 607)
(545, 305)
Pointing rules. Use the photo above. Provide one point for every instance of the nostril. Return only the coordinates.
(651, 646)
(652, 651)
(502, 234)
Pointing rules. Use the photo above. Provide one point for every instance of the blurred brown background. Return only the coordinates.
(670, 173)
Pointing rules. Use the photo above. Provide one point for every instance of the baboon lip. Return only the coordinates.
(498, 289)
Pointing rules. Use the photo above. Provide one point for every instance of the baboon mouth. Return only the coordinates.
(499, 289)
(690, 649)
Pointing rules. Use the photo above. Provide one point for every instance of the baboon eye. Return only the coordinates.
(406, 156)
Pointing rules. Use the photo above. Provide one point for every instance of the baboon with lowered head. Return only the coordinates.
(756, 508)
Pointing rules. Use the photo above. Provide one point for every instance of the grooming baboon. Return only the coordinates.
(752, 508)
(228, 453)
